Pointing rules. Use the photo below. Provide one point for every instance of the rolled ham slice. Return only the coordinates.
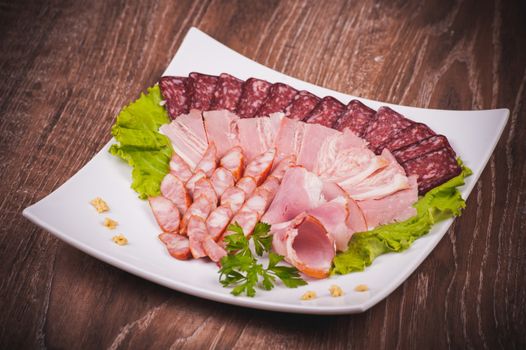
(166, 213)
(178, 246)
(173, 189)
(234, 161)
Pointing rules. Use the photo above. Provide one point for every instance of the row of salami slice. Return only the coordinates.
(416, 147)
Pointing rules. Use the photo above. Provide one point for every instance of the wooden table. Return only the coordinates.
(68, 67)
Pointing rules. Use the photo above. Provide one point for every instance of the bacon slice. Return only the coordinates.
(233, 198)
(179, 168)
(214, 251)
(166, 213)
(221, 180)
(247, 184)
(173, 189)
(196, 235)
(190, 184)
(221, 129)
(218, 220)
(260, 166)
(234, 161)
(201, 207)
(204, 188)
(209, 161)
(178, 246)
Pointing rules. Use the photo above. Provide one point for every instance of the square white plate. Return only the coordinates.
(67, 214)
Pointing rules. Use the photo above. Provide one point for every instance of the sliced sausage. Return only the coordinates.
(247, 184)
(233, 198)
(166, 213)
(234, 161)
(227, 93)
(218, 220)
(201, 89)
(204, 188)
(173, 189)
(179, 168)
(196, 235)
(174, 92)
(178, 246)
(260, 166)
(221, 180)
(208, 163)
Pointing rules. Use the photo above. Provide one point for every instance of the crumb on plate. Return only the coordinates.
(109, 223)
(120, 239)
(361, 288)
(336, 291)
(100, 205)
(308, 295)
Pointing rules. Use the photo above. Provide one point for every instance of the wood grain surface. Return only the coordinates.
(66, 69)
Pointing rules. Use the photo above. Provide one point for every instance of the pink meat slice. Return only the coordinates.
(234, 161)
(300, 191)
(256, 135)
(214, 251)
(174, 92)
(221, 180)
(258, 202)
(218, 220)
(208, 162)
(190, 184)
(233, 198)
(247, 219)
(301, 105)
(247, 184)
(290, 137)
(166, 213)
(393, 208)
(261, 165)
(221, 129)
(201, 89)
(356, 117)
(227, 93)
(316, 135)
(179, 168)
(173, 189)
(279, 97)
(282, 166)
(188, 137)
(201, 207)
(254, 93)
(204, 188)
(306, 244)
(271, 185)
(177, 245)
(197, 233)
(326, 112)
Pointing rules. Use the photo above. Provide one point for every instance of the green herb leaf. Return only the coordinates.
(262, 239)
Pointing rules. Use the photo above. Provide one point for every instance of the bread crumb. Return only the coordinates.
(361, 288)
(336, 291)
(308, 295)
(109, 223)
(100, 205)
(120, 239)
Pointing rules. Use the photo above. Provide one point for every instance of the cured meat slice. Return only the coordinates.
(260, 166)
(166, 213)
(271, 185)
(406, 137)
(258, 202)
(234, 161)
(178, 246)
(382, 183)
(433, 169)
(247, 184)
(256, 135)
(179, 168)
(305, 244)
(173, 189)
(218, 220)
(221, 180)
(420, 148)
(190, 184)
(175, 94)
(245, 218)
(326, 112)
(334, 216)
(385, 124)
(204, 188)
(300, 191)
(395, 207)
(285, 164)
(188, 137)
(201, 89)
(290, 137)
(233, 198)
(221, 129)
(355, 117)
(201, 207)
(279, 97)
(316, 135)
(254, 93)
(196, 235)
(214, 251)
(208, 163)
(227, 93)
(301, 105)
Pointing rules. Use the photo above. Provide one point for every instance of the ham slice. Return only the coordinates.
(179, 168)
(178, 246)
(260, 166)
(271, 185)
(166, 213)
(289, 138)
(173, 189)
(188, 137)
(221, 129)
(334, 217)
(283, 165)
(221, 180)
(316, 135)
(234, 161)
(256, 135)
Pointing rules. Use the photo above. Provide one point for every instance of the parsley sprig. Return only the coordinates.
(240, 268)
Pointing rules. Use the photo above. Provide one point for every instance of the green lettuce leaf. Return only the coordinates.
(141, 145)
(442, 202)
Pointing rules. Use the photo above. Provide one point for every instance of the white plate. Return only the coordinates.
(67, 214)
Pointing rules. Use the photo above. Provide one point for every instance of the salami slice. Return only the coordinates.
(301, 105)
(406, 137)
(421, 147)
(201, 89)
(279, 97)
(254, 93)
(385, 124)
(227, 93)
(356, 117)
(174, 91)
(326, 112)
(433, 169)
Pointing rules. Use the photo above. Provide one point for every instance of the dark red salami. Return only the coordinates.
(254, 93)
(421, 147)
(201, 89)
(356, 117)
(433, 169)
(326, 112)
(227, 93)
(301, 105)
(408, 136)
(174, 92)
(278, 98)
(385, 124)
